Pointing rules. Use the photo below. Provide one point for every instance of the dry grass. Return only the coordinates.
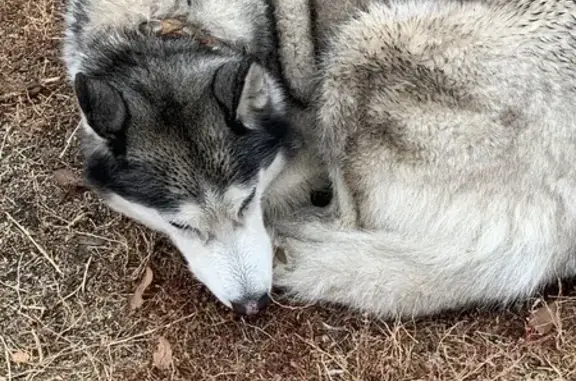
(68, 266)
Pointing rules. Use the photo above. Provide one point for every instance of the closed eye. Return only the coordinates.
(246, 203)
(206, 237)
(182, 226)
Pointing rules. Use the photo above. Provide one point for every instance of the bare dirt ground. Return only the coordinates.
(68, 268)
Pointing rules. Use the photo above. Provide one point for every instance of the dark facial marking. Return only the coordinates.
(247, 202)
(227, 86)
(179, 225)
(176, 142)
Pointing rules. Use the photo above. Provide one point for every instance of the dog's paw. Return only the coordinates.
(289, 265)
(283, 277)
(283, 251)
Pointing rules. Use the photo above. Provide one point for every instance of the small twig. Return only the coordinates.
(291, 308)
(40, 249)
(508, 369)
(69, 140)
(259, 330)
(14, 288)
(8, 96)
(48, 81)
(149, 332)
(87, 234)
(7, 355)
(330, 356)
(18, 276)
(83, 285)
(31, 89)
(8, 129)
(39, 347)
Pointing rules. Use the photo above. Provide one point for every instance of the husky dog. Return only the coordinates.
(447, 129)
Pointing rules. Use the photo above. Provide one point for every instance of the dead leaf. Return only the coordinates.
(34, 89)
(545, 318)
(136, 300)
(280, 255)
(171, 26)
(72, 183)
(162, 357)
(20, 357)
(67, 178)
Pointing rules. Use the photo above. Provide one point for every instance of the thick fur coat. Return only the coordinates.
(447, 129)
(450, 132)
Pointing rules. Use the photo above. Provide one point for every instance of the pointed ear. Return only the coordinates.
(248, 92)
(102, 105)
(260, 95)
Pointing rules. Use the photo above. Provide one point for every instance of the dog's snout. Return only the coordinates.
(251, 306)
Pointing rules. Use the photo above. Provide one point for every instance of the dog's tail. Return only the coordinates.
(391, 276)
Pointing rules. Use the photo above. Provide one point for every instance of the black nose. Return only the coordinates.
(251, 306)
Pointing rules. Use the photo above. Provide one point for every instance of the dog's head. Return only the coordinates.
(187, 145)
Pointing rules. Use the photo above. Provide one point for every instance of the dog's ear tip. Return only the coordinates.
(101, 103)
(79, 76)
(79, 82)
(261, 95)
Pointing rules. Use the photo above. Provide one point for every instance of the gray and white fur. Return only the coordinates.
(447, 128)
(190, 138)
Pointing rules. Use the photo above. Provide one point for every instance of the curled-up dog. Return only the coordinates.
(445, 129)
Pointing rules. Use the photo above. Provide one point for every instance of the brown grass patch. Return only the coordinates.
(68, 267)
